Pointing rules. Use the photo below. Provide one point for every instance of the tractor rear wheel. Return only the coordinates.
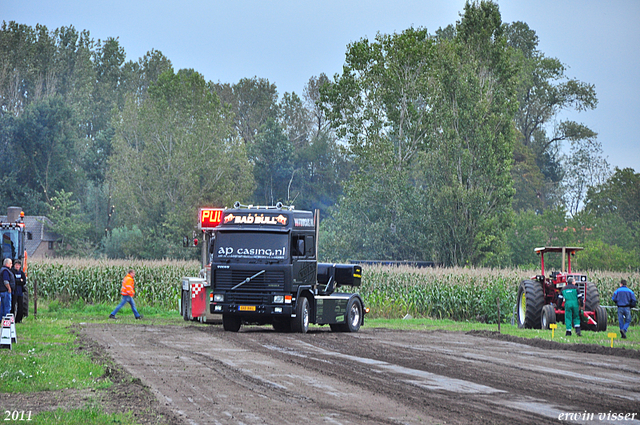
(592, 303)
(593, 297)
(601, 318)
(548, 316)
(530, 300)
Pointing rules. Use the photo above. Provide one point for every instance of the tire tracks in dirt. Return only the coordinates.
(376, 376)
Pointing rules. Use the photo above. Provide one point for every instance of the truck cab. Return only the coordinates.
(262, 268)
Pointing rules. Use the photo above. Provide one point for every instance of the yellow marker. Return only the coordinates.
(553, 327)
(612, 335)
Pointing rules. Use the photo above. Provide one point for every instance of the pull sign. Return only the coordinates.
(210, 217)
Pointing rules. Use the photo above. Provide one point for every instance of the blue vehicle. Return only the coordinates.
(12, 235)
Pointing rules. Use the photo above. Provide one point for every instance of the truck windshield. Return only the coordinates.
(251, 245)
(10, 244)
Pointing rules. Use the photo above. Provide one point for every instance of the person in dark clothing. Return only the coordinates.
(17, 299)
(625, 299)
(571, 307)
(7, 283)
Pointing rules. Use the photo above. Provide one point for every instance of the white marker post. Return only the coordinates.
(5, 336)
(14, 338)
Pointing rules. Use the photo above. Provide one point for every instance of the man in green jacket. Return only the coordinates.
(571, 307)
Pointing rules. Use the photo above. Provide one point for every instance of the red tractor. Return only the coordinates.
(540, 303)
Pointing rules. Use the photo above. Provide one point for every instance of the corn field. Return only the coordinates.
(390, 292)
(96, 281)
(463, 293)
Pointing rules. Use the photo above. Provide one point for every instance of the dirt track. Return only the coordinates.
(207, 376)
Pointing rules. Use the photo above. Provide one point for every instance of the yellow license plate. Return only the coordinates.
(247, 308)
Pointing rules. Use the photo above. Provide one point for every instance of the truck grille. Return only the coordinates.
(256, 291)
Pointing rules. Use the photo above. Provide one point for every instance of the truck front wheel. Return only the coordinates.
(231, 323)
(300, 323)
(282, 325)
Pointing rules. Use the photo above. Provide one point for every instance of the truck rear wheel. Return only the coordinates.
(530, 300)
(300, 323)
(548, 316)
(353, 317)
(231, 323)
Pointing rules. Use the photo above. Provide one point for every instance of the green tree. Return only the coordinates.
(598, 255)
(430, 121)
(123, 242)
(544, 91)
(620, 194)
(466, 169)
(272, 156)
(176, 152)
(380, 107)
(69, 225)
(585, 168)
(549, 228)
(612, 209)
(253, 101)
(42, 143)
(318, 164)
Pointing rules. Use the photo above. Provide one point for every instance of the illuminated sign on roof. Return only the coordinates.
(255, 218)
(210, 217)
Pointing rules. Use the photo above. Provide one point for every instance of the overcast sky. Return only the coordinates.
(288, 41)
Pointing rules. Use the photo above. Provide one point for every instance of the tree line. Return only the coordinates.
(443, 147)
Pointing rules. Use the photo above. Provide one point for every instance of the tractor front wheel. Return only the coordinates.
(530, 300)
(548, 316)
(601, 318)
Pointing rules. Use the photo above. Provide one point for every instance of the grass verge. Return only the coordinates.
(91, 414)
(50, 365)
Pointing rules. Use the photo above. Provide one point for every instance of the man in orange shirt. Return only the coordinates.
(127, 293)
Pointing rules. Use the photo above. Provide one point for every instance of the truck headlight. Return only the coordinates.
(278, 299)
(218, 298)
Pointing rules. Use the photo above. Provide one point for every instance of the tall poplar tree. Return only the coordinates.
(429, 123)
